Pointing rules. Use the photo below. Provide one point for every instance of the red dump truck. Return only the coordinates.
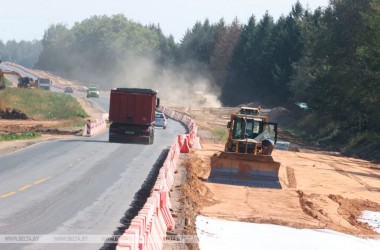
(132, 114)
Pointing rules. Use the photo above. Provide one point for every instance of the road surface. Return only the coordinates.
(76, 186)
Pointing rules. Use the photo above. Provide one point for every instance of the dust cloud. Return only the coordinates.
(186, 85)
(176, 86)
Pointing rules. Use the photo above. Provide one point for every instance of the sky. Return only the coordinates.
(28, 19)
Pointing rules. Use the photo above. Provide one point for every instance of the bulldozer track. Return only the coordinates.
(292, 182)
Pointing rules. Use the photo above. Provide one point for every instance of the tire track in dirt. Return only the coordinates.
(311, 209)
(357, 179)
(253, 210)
(292, 182)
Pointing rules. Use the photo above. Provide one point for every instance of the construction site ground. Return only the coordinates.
(320, 190)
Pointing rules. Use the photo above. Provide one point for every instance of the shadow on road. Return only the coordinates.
(139, 201)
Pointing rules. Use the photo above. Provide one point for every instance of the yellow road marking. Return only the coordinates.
(42, 180)
(25, 187)
(8, 194)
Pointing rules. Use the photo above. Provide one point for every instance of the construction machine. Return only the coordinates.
(250, 110)
(247, 159)
(27, 82)
(23, 82)
(7, 72)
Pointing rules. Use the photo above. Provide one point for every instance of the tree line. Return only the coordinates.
(24, 52)
(328, 58)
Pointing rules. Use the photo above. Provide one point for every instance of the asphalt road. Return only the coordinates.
(20, 71)
(76, 186)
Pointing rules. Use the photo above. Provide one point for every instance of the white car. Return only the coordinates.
(302, 105)
(160, 120)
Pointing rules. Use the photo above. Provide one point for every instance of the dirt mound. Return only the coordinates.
(9, 113)
(188, 197)
(43, 127)
(280, 114)
(351, 210)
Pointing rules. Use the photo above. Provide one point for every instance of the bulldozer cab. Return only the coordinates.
(242, 127)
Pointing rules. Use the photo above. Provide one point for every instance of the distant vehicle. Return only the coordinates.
(200, 97)
(93, 91)
(27, 82)
(249, 110)
(160, 120)
(44, 83)
(302, 105)
(132, 115)
(68, 90)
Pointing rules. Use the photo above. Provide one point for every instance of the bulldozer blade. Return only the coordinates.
(245, 170)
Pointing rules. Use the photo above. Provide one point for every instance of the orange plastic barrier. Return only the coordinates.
(148, 229)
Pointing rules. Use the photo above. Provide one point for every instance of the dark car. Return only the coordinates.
(68, 90)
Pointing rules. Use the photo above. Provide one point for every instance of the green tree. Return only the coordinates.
(223, 51)
(198, 43)
(24, 52)
(251, 67)
(99, 48)
(56, 44)
(287, 49)
(341, 83)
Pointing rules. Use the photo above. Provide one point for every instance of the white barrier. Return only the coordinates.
(94, 127)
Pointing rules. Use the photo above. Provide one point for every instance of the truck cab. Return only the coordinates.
(44, 83)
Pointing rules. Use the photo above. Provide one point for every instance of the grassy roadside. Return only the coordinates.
(41, 105)
(220, 134)
(22, 136)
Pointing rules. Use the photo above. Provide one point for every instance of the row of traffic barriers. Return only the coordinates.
(94, 127)
(190, 140)
(148, 229)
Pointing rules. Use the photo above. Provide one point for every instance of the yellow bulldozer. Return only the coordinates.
(247, 159)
